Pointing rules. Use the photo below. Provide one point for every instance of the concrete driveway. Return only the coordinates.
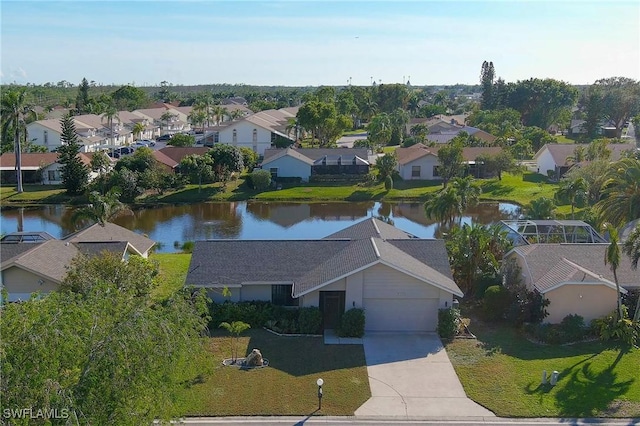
(410, 375)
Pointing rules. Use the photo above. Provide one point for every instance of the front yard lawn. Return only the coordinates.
(502, 371)
(287, 386)
(520, 189)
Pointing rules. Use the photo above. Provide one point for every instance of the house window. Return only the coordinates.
(281, 295)
(274, 172)
(415, 171)
(255, 136)
(53, 175)
(436, 172)
(46, 137)
(235, 136)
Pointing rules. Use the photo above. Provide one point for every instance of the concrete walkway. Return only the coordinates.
(410, 376)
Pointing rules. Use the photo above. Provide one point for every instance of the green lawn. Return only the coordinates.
(34, 194)
(520, 189)
(502, 371)
(173, 272)
(563, 139)
(287, 386)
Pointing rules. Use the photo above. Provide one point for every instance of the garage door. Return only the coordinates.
(400, 314)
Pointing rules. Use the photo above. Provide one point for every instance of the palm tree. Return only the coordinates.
(575, 191)
(198, 117)
(541, 208)
(101, 208)
(579, 155)
(620, 198)
(235, 329)
(468, 191)
(138, 128)
(15, 112)
(612, 257)
(219, 112)
(166, 117)
(444, 206)
(631, 248)
(111, 114)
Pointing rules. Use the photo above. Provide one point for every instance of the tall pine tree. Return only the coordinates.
(75, 175)
(82, 100)
(487, 76)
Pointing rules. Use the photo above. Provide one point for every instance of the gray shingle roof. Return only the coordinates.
(370, 228)
(96, 248)
(49, 259)
(550, 264)
(431, 252)
(112, 232)
(8, 251)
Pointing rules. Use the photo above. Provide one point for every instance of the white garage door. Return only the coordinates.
(400, 314)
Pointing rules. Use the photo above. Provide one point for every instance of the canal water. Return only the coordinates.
(172, 225)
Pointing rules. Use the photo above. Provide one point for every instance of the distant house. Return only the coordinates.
(169, 157)
(400, 281)
(553, 157)
(574, 278)
(577, 127)
(179, 121)
(37, 262)
(304, 163)
(420, 162)
(259, 131)
(42, 168)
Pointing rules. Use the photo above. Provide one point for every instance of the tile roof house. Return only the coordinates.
(399, 280)
(38, 167)
(258, 131)
(303, 163)
(553, 157)
(573, 277)
(38, 263)
(170, 156)
(420, 161)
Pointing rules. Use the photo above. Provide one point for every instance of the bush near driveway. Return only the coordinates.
(502, 371)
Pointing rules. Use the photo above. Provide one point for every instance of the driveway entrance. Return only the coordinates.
(411, 375)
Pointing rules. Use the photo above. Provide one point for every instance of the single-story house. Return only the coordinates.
(169, 157)
(400, 281)
(37, 262)
(574, 278)
(420, 162)
(38, 167)
(304, 163)
(553, 156)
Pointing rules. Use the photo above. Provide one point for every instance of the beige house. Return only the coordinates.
(574, 278)
(37, 262)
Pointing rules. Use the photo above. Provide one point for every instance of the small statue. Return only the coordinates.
(254, 359)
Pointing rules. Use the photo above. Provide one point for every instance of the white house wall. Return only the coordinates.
(244, 134)
(255, 292)
(289, 166)
(545, 162)
(36, 132)
(426, 163)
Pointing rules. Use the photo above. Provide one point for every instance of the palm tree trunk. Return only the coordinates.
(18, 152)
(619, 299)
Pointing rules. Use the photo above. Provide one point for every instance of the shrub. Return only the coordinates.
(610, 327)
(573, 328)
(260, 179)
(309, 320)
(352, 323)
(496, 302)
(255, 313)
(388, 183)
(187, 247)
(449, 322)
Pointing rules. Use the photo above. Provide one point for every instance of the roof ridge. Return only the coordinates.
(375, 248)
(375, 225)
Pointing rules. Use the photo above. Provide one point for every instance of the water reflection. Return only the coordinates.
(168, 224)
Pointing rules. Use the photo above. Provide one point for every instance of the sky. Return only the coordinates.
(314, 43)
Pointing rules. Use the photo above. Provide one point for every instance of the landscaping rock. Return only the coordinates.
(254, 359)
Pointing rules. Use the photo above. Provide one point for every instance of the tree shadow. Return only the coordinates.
(361, 195)
(496, 188)
(192, 195)
(301, 356)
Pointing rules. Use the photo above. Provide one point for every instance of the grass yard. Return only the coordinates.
(173, 272)
(520, 189)
(502, 371)
(287, 386)
(34, 194)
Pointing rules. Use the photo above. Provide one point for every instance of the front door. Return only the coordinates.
(332, 307)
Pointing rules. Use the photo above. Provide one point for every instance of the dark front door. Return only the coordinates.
(332, 307)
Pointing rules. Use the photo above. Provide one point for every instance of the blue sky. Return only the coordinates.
(312, 43)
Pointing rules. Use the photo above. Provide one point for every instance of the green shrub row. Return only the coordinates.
(352, 323)
(571, 329)
(261, 313)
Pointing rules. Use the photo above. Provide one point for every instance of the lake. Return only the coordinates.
(172, 225)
